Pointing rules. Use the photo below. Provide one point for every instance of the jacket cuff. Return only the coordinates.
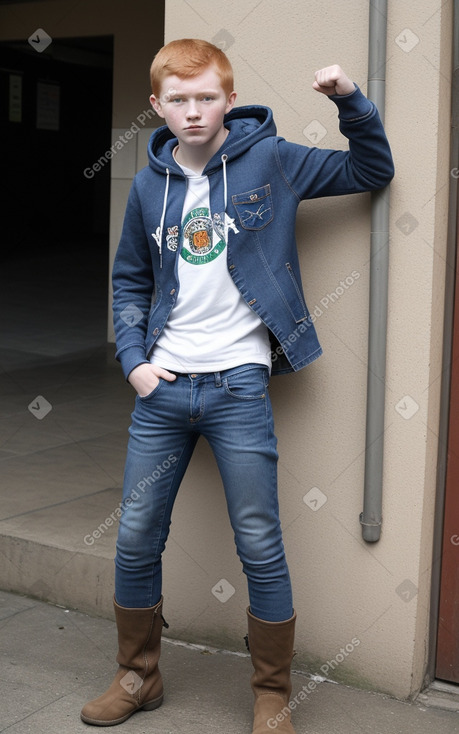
(130, 358)
(352, 106)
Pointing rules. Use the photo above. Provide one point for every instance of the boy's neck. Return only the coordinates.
(196, 158)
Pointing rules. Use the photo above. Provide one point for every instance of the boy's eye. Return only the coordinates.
(181, 100)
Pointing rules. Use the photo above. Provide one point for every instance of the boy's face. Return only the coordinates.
(193, 108)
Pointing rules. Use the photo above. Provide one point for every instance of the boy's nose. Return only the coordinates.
(192, 111)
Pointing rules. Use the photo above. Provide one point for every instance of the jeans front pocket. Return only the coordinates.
(248, 384)
(145, 398)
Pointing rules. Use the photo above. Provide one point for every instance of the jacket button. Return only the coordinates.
(172, 292)
(156, 332)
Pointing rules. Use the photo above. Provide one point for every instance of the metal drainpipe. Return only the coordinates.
(371, 517)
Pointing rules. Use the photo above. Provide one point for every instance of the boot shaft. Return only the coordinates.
(139, 636)
(271, 650)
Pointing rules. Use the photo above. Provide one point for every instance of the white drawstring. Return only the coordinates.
(158, 235)
(225, 185)
(225, 197)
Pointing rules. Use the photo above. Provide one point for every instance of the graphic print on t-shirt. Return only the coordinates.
(210, 328)
(201, 241)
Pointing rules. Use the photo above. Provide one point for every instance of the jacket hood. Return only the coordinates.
(246, 125)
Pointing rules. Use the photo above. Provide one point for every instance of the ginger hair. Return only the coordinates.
(187, 58)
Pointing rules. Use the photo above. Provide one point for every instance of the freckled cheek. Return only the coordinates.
(173, 120)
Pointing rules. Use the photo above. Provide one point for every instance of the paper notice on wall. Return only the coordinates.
(48, 106)
(15, 100)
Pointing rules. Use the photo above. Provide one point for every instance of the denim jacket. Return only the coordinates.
(257, 181)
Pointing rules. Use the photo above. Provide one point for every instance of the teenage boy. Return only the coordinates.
(208, 302)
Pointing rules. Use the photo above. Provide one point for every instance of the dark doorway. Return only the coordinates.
(55, 121)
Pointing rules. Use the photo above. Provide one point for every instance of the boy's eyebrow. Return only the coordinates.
(178, 93)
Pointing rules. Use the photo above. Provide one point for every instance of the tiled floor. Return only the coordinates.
(63, 421)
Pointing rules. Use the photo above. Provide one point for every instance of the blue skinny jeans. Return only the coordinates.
(232, 410)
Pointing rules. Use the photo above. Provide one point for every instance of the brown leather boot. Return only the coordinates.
(137, 684)
(271, 650)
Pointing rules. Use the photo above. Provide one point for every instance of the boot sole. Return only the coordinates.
(148, 706)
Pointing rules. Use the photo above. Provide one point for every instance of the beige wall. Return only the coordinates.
(344, 589)
(347, 593)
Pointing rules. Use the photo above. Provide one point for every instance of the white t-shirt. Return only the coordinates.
(210, 328)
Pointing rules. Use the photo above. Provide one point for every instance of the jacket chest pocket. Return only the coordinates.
(254, 208)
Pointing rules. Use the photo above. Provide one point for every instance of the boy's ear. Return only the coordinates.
(231, 101)
(156, 104)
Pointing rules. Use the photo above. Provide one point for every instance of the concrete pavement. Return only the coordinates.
(54, 659)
